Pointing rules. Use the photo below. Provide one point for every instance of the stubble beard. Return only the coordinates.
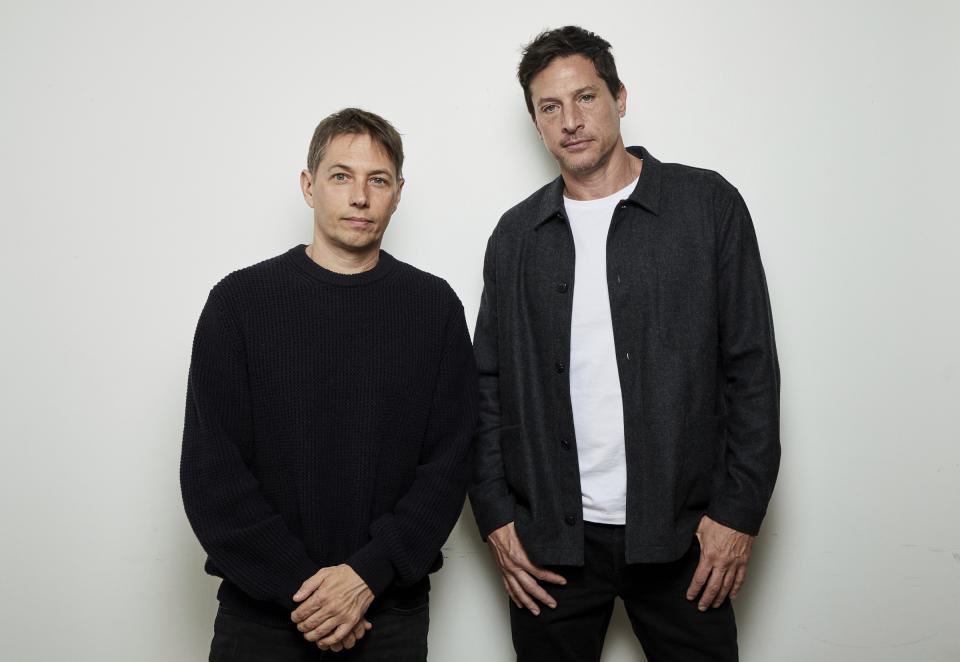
(585, 167)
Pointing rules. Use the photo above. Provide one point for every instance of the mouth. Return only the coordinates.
(358, 221)
(576, 144)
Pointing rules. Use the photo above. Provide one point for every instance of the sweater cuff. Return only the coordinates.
(305, 569)
(373, 566)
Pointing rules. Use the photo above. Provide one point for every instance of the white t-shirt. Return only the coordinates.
(594, 378)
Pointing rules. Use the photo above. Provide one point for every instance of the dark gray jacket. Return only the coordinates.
(696, 356)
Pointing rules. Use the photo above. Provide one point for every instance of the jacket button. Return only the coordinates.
(565, 445)
(562, 287)
(560, 367)
(570, 520)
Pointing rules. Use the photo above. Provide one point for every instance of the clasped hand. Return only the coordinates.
(332, 607)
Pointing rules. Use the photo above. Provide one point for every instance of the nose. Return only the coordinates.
(358, 196)
(572, 119)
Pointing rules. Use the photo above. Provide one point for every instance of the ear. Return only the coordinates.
(622, 100)
(306, 185)
(533, 118)
(396, 201)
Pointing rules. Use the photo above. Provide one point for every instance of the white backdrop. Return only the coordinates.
(147, 149)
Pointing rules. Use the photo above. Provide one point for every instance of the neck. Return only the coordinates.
(606, 179)
(343, 261)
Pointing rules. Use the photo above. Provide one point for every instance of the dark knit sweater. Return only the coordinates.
(328, 421)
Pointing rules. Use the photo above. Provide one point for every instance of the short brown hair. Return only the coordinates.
(563, 42)
(360, 122)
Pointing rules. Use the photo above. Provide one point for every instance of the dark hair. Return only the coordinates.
(360, 122)
(562, 42)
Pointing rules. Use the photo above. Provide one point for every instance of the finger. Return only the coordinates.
(337, 647)
(725, 587)
(699, 579)
(738, 582)
(517, 592)
(303, 612)
(532, 588)
(336, 636)
(520, 597)
(546, 575)
(315, 620)
(321, 631)
(359, 630)
(513, 598)
(307, 608)
(520, 561)
(308, 587)
(711, 590)
(349, 640)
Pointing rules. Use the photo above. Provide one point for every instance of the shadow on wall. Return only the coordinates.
(761, 572)
(196, 594)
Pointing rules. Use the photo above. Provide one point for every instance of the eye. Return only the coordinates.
(379, 181)
(339, 176)
(588, 97)
(549, 108)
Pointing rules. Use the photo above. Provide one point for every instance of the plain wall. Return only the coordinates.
(148, 149)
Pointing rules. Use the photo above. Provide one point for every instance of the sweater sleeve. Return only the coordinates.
(491, 498)
(751, 375)
(406, 541)
(247, 541)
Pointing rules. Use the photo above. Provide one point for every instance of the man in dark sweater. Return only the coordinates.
(629, 437)
(331, 400)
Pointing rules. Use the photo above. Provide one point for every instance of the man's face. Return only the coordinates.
(353, 193)
(577, 117)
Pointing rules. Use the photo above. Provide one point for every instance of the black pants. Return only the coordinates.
(668, 626)
(398, 635)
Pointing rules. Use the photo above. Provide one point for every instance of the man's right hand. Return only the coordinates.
(519, 574)
(332, 607)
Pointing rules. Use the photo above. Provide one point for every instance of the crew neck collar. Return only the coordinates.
(384, 266)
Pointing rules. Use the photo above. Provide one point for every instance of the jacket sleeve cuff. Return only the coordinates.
(374, 567)
(490, 516)
(736, 518)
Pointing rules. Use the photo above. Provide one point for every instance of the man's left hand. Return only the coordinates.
(333, 603)
(724, 555)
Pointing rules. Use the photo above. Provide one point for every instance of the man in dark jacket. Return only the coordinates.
(330, 406)
(629, 425)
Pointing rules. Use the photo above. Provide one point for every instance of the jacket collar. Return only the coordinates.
(646, 194)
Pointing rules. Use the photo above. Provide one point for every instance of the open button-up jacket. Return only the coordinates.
(696, 358)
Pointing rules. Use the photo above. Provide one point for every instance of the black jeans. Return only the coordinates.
(669, 628)
(399, 634)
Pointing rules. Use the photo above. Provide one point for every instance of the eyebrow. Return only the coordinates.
(578, 91)
(343, 166)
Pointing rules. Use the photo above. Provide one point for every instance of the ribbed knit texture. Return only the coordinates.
(328, 420)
